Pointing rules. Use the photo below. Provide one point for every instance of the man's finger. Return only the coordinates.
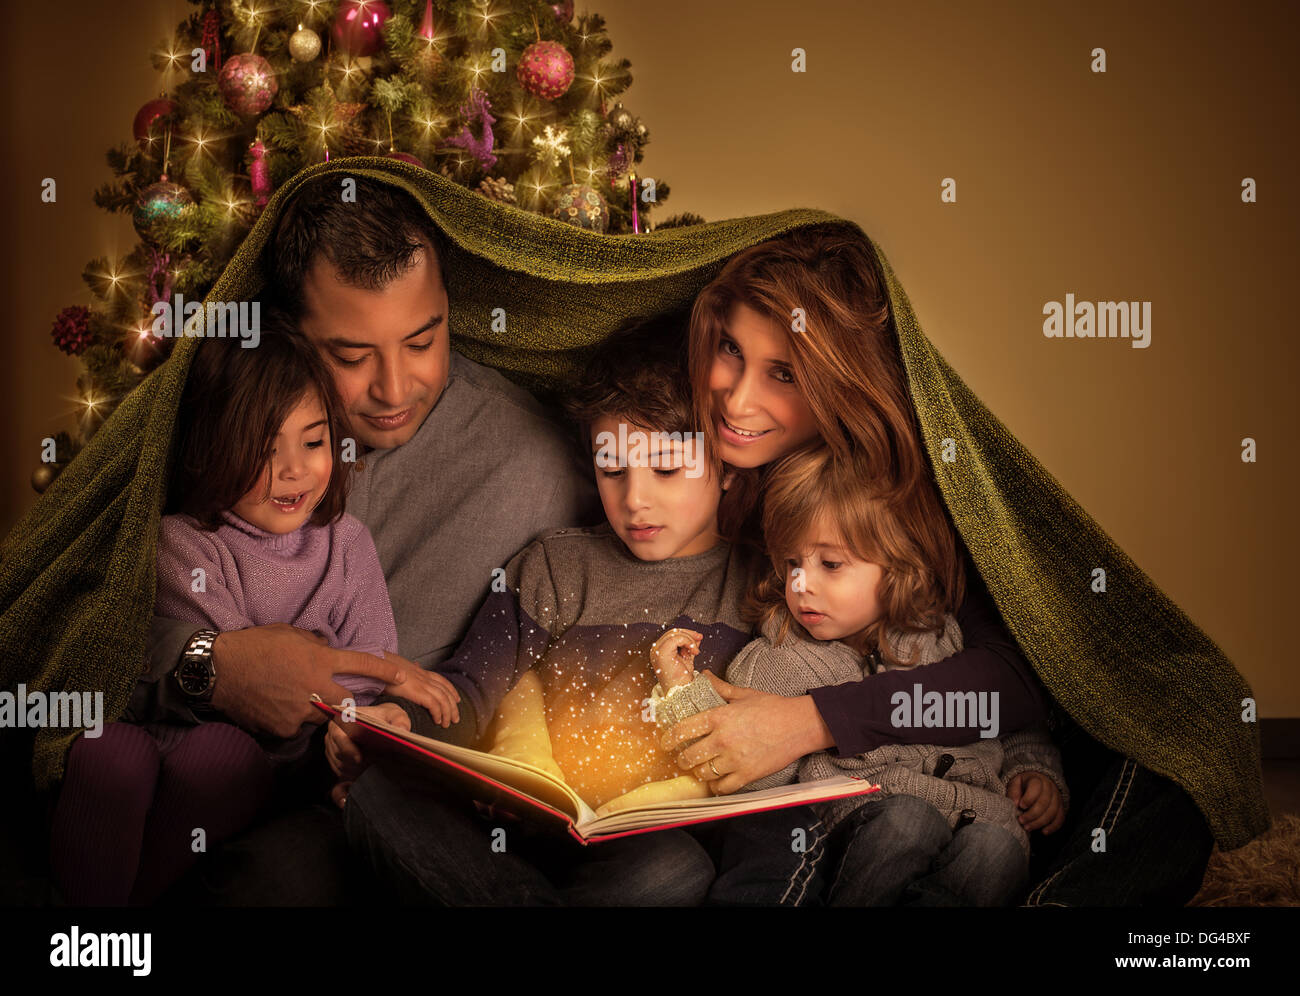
(355, 662)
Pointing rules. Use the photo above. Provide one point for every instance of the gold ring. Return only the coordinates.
(713, 768)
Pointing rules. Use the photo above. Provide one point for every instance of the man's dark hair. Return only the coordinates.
(639, 374)
(371, 241)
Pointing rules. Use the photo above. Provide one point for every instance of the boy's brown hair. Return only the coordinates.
(638, 375)
(908, 534)
(235, 401)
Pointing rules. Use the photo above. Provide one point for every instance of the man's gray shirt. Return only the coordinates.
(485, 474)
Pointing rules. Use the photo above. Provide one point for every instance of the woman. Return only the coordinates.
(791, 342)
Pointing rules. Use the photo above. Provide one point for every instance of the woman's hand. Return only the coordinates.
(674, 654)
(753, 735)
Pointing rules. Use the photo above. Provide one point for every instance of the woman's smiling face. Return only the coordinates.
(759, 409)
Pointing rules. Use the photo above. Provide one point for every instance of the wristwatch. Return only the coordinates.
(195, 675)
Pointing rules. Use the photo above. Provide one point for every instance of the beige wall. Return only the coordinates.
(1116, 186)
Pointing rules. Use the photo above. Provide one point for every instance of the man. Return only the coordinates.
(364, 281)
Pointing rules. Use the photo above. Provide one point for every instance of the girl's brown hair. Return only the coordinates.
(907, 533)
(845, 357)
(235, 402)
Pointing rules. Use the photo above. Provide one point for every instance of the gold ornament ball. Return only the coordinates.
(44, 476)
(304, 45)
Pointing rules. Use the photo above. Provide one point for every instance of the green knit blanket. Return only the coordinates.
(77, 573)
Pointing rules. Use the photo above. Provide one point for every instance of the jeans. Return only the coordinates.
(1156, 842)
(428, 849)
(777, 858)
(899, 851)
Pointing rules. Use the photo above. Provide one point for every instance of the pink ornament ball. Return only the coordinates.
(546, 70)
(247, 84)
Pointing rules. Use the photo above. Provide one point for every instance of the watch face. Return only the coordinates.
(193, 677)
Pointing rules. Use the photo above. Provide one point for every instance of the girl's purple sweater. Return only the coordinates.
(322, 578)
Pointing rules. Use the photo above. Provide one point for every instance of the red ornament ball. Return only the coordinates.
(247, 84)
(71, 330)
(359, 26)
(546, 70)
(563, 11)
(147, 115)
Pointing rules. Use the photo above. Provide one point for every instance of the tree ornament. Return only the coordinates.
(546, 70)
(563, 11)
(579, 204)
(477, 111)
(618, 163)
(211, 40)
(405, 157)
(304, 44)
(259, 174)
(620, 118)
(498, 188)
(142, 127)
(158, 284)
(43, 476)
(247, 84)
(158, 201)
(550, 146)
(71, 330)
(358, 26)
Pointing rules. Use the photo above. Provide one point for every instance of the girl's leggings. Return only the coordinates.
(135, 811)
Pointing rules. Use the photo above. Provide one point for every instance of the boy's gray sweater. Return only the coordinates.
(978, 774)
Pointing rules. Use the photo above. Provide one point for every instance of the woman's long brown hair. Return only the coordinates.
(845, 358)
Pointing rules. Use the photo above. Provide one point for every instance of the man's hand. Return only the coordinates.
(266, 676)
(1037, 801)
(343, 753)
(753, 735)
(427, 688)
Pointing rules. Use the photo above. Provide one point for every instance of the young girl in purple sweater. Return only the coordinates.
(258, 536)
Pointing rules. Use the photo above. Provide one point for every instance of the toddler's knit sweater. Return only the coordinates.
(972, 777)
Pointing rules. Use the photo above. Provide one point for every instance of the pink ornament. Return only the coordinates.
(358, 27)
(247, 84)
(159, 282)
(477, 110)
(147, 115)
(427, 29)
(406, 157)
(563, 11)
(259, 174)
(546, 70)
(71, 330)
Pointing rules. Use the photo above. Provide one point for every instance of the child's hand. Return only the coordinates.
(1038, 800)
(431, 690)
(342, 751)
(673, 655)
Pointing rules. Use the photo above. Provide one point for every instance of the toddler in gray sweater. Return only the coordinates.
(861, 583)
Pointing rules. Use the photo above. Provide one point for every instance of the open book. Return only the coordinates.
(526, 791)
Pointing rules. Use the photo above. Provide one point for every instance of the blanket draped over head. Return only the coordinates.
(77, 573)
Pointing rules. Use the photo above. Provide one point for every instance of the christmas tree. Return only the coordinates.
(516, 101)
